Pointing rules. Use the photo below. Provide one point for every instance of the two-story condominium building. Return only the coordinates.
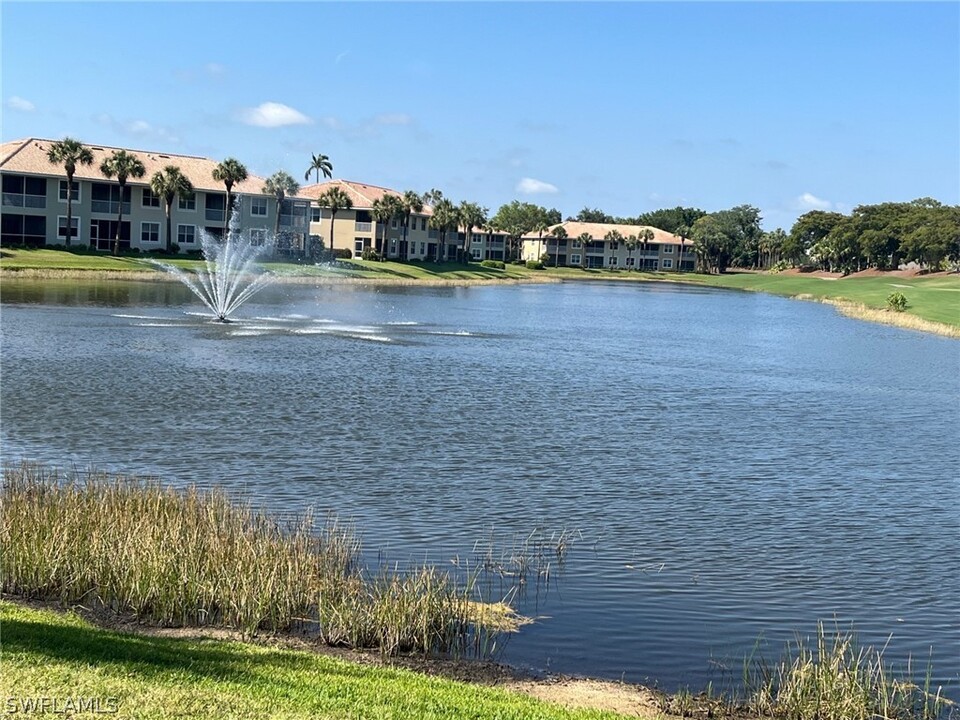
(664, 251)
(34, 203)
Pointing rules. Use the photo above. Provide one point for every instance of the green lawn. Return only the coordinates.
(46, 654)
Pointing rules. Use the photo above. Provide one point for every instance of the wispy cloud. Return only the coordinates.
(18, 103)
(532, 186)
(272, 114)
(207, 71)
(775, 165)
(340, 56)
(809, 201)
(391, 119)
(137, 128)
(369, 127)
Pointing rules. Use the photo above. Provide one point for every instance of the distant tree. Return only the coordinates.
(614, 237)
(771, 247)
(808, 230)
(712, 242)
(669, 219)
(319, 164)
(593, 215)
(631, 242)
(553, 216)
(336, 200)
(683, 232)
(69, 153)
(444, 219)
(541, 226)
(840, 250)
(470, 215)
(516, 219)
(584, 239)
(121, 165)
(230, 172)
(385, 209)
(280, 185)
(168, 184)
(645, 236)
(558, 233)
(412, 203)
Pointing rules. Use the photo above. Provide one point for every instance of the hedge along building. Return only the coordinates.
(662, 251)
(35, 203)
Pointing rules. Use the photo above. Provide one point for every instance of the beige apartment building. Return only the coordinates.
(664, 251)
(34, 203)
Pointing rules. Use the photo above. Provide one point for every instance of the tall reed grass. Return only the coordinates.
(195, 558)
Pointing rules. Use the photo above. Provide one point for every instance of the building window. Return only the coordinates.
(62, 227)
(315, 214)
(476, 253)
(423, 248)
(258, 206)
(187, 202)
(476, 238)
(74, 186)
(668, 249)
(423, 223)
(358, 245)
(393, 223)
(23, 191)
(106, 198)
(149, 199)
(574, 259)
(576, 245)
(104, 232)
(612, 262)
(23, 229)
(667, 264)
(149, 232)
(258, 236)
(630, 261)
(186, 234)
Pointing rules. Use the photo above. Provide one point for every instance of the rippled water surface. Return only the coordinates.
(731, 466)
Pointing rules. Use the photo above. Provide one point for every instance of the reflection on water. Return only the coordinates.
(733, 465)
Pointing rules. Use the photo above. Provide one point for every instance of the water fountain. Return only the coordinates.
(229, 276)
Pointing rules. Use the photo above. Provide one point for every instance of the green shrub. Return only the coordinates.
(499, 264)
(897, 302)
(342, 254)
(534, 265)
(369, 254)
(780, 266)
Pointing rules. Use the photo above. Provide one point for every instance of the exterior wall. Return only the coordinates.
(658, 256)
(351, 234)
(144, 222)
(487, 246)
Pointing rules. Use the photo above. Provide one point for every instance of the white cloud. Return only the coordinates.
(531, 186)
(213, 69)
(271, 114)
(18, 103)
(390, 119)
(137, 127)
(808, 201)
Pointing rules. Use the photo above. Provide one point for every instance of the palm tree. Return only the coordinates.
(470, 215)
(614, 237)
(280, 184)
(385, 209)
(683, 232)
(121, 165)
(230, 172)
(444, 217)
(646, 235)
(335, 199)
(585, 239)
(540, 227)
(560, 233)
(68, 153)
(632, 241)
(412, 202)
(319, 164)
(168, 184)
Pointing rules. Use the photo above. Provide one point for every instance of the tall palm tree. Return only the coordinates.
(560, 233)
(585, 239)
(168, 184)
(121, 165)
(540, 227)
(336, 200)
(280, 185)
(614, 237)
(230, 172)
(69, 153)
(319, 164)
(631, 241)
(646, 235)
(385, 209)
(412, 203)
(443, 219)
(470, 215)
(683, 232)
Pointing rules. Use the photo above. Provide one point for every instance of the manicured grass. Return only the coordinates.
(49, 655)
(43, 259)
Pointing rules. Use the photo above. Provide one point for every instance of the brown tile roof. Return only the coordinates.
(362, 195)
(29, 156)
(598, 231)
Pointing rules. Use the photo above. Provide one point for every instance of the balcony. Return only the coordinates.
(213, 215)
(363, 227)
(109, 207)
(26, 201)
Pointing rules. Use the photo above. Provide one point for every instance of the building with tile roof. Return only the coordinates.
(35, 194)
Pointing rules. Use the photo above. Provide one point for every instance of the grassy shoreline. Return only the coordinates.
(933, 302)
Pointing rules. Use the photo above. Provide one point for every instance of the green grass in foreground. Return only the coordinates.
(46, 654)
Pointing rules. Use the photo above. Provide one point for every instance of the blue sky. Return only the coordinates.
(623, 106)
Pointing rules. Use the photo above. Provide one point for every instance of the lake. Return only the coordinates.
(729, 467)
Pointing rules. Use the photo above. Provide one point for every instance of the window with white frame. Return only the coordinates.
(612, 261)
(476, 238)
(258, 206)
(258, 236)
(423, 248)
(186, 234)
(629, 261)
(393, 223)
(574, 259)
(314, 214)
(187, 202)
(476, 253)
(576, 245)
(358, 245)
(149, 232)
(149, 199)
(423, 223)
(667, 264)
(74, 227)
(75, 188)
(668, 249)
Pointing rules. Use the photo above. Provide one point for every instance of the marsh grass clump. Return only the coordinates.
(198, 558)
(833, 678)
